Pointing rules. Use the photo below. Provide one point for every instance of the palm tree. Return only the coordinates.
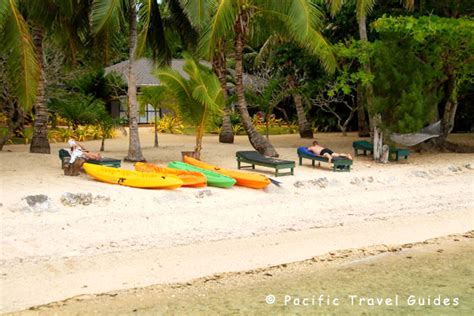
(239, 18)
(108, 15)
(219, 65)
(267, 98)
(200, 98)
(199, 13)
(292, 70)
(23, 26)
(154, 96)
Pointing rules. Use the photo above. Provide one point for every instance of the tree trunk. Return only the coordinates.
(303, 125)
(258, 142)
(134, 148)
(102, 144)
(369, 92)
(363, 126)
(378, 139)
(226, 134)
(39, 141)
(447, 122)
(156, 129)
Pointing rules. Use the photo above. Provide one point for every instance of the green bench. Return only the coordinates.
(367, 147)
(108, 162)
(338, 163)
(254, 158)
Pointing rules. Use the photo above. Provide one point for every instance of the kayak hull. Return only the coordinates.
(246, 179)
(189, 178)
(132, 178)
(213, 179)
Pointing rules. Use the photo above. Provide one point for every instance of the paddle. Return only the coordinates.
(275, 182)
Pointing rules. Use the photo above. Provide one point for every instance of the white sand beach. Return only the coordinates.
(129, 238)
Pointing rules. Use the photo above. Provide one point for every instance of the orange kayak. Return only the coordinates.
(246, 179)
(189, 178)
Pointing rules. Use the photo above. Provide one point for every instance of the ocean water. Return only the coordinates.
(429, 280)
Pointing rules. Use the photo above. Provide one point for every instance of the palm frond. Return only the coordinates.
(364, 8)
(3, 12)
(106, 12)
(334, 6)
(22, 64)
(224, 13)
(197, 12)
(182, 24)
(302, 19)
(152, 35)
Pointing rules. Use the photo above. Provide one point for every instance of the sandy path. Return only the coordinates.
(143, 237)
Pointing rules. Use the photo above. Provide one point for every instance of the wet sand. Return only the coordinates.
(431, 277)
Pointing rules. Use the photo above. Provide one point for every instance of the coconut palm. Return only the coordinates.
(23, 26)
(240, 19)
(156, 97)
(199, 14)
(110, 15)
(200, 98)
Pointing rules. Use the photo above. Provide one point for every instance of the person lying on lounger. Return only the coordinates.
(79, 151)
(326, 152)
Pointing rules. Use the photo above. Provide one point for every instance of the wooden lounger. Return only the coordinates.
(109, 162)
(338, 163)
(254, 158)
(367, 147)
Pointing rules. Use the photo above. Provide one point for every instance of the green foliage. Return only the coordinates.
(17, 46)
(78, 109)
(170, 124)
(413, 61)
(199, 98)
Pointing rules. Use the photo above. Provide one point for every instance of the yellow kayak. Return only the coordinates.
(246, 179)
(189, 178)
(132, 178)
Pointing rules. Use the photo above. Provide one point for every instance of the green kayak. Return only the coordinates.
(213, 179)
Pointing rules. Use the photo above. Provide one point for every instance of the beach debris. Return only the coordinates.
(469, 166)
(203, 193)
(320, 182)
(454, 168)
(75, 199)
(34, 203)
(101, 200)
(421, 174)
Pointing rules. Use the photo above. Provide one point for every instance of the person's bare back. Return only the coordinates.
(326, 152)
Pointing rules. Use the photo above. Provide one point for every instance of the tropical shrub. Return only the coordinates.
(170, 124)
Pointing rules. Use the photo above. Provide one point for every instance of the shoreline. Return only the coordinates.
(69, 277)
(345, 258)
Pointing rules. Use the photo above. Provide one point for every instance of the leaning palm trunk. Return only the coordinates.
(39, 141)
(226, 134)
(303, 124)
(259, 142)
(134, 148)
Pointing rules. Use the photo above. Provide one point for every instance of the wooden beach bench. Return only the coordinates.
(367, 147)
(338, 163)
(254, 158)
(108, 162)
